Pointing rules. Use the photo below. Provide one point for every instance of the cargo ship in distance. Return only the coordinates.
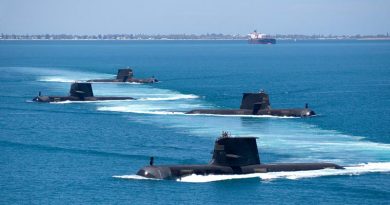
(260, 38)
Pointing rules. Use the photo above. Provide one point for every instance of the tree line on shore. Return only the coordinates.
(212, 36)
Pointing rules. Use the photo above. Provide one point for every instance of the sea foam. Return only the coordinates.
(373, 167)
(350, 170)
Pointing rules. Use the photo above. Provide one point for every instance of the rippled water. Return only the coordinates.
(88, 152)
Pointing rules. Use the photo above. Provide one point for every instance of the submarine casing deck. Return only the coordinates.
(125, 76)
(78, 92)
(72, 98)
(177, 171)
(297, 112)
(231, 155)
(257, 104)
(130, 80)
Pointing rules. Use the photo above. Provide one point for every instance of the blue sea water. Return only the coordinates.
(88, 153)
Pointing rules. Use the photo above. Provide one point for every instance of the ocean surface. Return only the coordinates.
(88, 153)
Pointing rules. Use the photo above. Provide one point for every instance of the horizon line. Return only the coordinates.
(190, 34)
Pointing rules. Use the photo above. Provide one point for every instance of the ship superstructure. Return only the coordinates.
(260, 38)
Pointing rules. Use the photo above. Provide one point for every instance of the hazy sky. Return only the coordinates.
(195, 16)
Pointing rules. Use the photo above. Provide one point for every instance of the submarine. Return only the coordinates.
(78, 92)
(258, 104)
(231, 155)
(125, 76)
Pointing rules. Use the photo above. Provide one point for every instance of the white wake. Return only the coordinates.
(380, 167)
(377, 167)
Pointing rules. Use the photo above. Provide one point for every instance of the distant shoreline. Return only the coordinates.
(314, 39)
(170, 37)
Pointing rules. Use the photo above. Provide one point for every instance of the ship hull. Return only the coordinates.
(129, 80)
(179, 171)
(272, 112)
(262, 41)
(48, 99)
(231, 155)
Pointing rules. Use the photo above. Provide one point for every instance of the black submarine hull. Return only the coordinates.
(78, 92)
(177, 172)
(258, 104)
(48, 99)
(125, 76)
(130, 80)
(272, 112)
(231, 155)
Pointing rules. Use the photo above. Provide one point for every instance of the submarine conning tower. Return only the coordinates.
(235, 151)
(124, 74)
(81, 90)
(255, 100)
